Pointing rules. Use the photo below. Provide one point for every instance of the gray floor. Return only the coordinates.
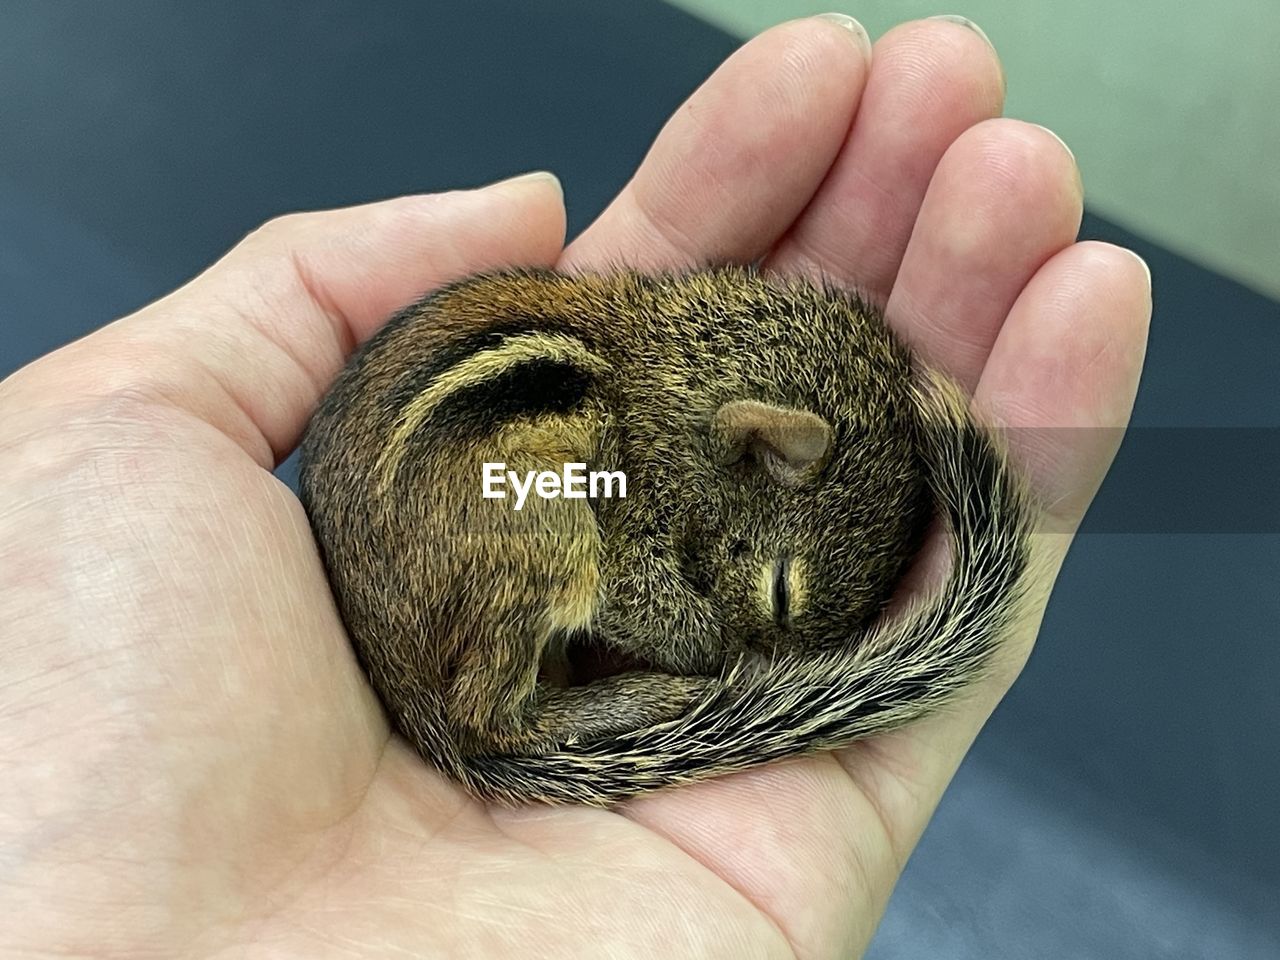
(1120, 804)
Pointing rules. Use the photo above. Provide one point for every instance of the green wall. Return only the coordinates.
(1173, 110)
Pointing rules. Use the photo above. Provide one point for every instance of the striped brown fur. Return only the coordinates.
(784, 456)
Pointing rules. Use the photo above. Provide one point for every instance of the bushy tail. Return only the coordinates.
(806, 702)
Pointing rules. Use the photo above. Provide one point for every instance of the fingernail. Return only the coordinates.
(969, 24)
(1145, 265)
(860, 35)
(965, 22)
(1070, 152)
(545, 176)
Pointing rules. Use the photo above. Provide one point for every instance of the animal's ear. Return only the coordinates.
(792, 445)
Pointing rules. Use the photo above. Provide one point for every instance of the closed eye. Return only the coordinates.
(781, 594)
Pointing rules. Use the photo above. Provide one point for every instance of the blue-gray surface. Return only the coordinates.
(1121, 804)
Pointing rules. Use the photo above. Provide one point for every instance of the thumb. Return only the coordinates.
(251, 344)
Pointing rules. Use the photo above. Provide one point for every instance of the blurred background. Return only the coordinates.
(1122, 803)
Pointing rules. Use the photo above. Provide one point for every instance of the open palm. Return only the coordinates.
(192, 763)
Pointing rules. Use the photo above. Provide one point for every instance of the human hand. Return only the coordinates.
(193, 763)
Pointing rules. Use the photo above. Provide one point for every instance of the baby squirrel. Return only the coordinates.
(783, 460)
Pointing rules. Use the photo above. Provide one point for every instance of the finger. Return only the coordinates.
(930, 81)
(1005, 198)
(251, 344)
(1064, 370)
(1062, 376)
(741, 158)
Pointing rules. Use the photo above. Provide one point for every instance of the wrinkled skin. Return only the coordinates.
(190, 761)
